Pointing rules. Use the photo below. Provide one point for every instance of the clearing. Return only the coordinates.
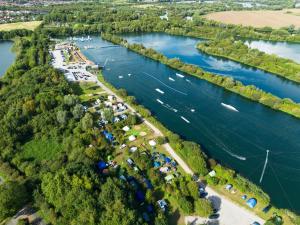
(21, 25)
(262, 18)
(40, 149)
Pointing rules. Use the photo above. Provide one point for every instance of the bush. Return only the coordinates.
(203, 207)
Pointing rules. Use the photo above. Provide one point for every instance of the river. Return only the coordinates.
(7, 57)
(283, 49)
(184, 48)
(226, 135)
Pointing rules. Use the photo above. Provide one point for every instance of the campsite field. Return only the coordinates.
(21, 25)
(274, 19)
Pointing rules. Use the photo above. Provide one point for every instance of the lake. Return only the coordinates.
(184, 48)
(283, 49)
(226, 135)
(7, 57)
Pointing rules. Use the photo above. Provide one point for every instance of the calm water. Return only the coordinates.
(184, 48)
(282, 49)
(6, 56)
(226, 135)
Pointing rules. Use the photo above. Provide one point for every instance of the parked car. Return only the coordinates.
(214, 216)
(255, 223)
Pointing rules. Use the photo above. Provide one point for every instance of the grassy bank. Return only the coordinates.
(248, 91)
(239, 52)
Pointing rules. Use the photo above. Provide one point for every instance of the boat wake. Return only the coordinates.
(179, 75)
(159, 91)
(235, 155)
(170, 108)
(159, 101)
(185, 119)
(164, 84)
(229, 107)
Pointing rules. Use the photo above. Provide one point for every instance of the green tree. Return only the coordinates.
(13, 196)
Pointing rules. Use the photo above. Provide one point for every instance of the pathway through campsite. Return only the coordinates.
(230, 212)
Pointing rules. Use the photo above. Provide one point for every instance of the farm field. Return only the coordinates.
(21, 25)
(274, 19)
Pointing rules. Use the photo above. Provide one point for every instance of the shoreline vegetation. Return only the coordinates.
(251, 92)
(239, 52)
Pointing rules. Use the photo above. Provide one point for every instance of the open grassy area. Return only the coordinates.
(41, 149)
(87, 91)
(21, 25)
(262, 18)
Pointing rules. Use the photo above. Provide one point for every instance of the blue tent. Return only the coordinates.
(150, 208)
(156, 164)
(252, 202)
(108, 136)
(140, 196)
(148, 184)
(168, 160)
(102, 165)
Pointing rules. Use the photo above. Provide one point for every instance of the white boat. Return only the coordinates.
(88, 47)
(179, 75)
(161, 102)
(192, 110)
(120, 77)
(229, 107)
(185, 119)
(171, 79)
(129, 74)
(159, 91)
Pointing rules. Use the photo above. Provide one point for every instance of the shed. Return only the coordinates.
(252, 202)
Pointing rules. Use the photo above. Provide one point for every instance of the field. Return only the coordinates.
(21, 25)
(41, 149)
(274, 19)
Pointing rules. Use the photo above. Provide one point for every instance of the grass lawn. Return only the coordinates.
(87, 91)
(38, 149)
(21, 25)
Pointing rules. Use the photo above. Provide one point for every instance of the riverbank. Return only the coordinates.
(250, 92)
(239, 52)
